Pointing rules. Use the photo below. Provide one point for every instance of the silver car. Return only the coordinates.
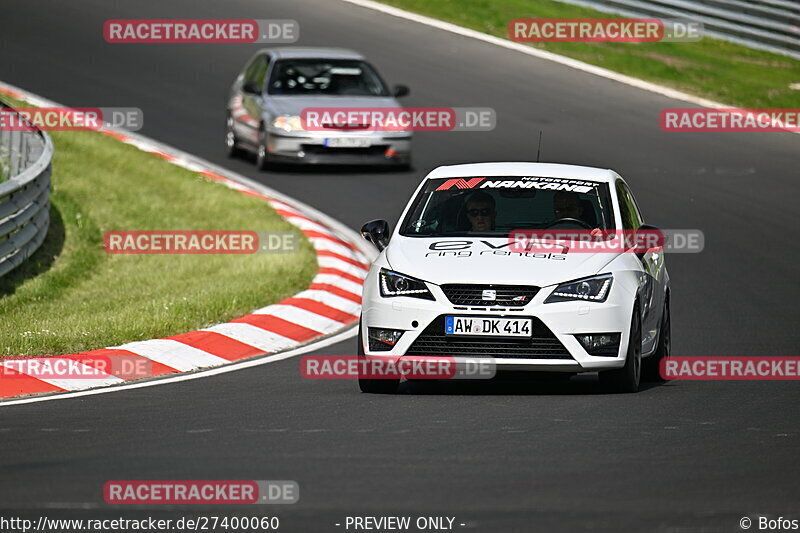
(269, 95)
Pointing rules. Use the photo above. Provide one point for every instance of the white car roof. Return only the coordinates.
(546, 170)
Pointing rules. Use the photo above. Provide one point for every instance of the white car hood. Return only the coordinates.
(488, 260)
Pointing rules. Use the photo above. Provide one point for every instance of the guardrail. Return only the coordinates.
(772, 25)
(25, 170)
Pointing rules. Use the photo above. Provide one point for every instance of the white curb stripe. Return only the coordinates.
(287, 211)
(188, 165)
(79, 384)
(331, 300)
(173, 354)
(280, 204)
(301, 317)
(344, 266)
(305, 224)
(262, 339)
(324, 244)
(235, 186)
(338, 281)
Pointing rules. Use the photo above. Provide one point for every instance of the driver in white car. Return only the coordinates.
(481, 211)
(567, 204)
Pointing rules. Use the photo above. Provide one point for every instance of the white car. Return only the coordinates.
(450, 282)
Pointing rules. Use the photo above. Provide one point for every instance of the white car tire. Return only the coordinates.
(627, 378)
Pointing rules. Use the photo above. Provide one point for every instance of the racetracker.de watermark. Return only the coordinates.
(92, 367)
(201, 242)
(355, 119)
(730, 120)
(201, 492)
(606, 241)
(730, 368)
(71, 118)
(201, 31)
(602, 30)
(396, 367)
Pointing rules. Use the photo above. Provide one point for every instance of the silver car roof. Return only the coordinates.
(313, 53)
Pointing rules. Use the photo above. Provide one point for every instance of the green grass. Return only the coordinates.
(719, 70)
(72, 296)
(4, 163)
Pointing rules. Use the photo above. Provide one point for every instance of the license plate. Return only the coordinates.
(495, 327)
(347, 142)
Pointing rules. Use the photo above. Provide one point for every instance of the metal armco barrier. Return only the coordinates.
(772, 25)
(25, 169)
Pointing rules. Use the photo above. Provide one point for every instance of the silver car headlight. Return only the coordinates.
(288, 123)
(593, 289)
(396, 284)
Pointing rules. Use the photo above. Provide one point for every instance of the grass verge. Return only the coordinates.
(72, 296)
(710, 68)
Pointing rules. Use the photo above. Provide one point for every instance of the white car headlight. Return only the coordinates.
(594, 289)
(396, 284)
(288, 123)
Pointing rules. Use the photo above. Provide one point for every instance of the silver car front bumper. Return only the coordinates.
(312, 148)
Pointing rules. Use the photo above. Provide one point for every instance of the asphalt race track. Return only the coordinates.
(684, 456)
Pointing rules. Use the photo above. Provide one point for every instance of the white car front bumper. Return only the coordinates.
(553, 347)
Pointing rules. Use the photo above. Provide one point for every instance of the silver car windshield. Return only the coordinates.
(497, 206)
(330, 77)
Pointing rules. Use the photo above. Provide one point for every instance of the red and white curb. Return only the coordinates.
(331, 303)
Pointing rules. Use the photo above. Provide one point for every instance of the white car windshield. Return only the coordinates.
(497, 206)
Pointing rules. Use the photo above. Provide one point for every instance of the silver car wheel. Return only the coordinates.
(230, 139)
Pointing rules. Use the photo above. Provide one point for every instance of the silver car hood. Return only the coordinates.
(293, 105)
